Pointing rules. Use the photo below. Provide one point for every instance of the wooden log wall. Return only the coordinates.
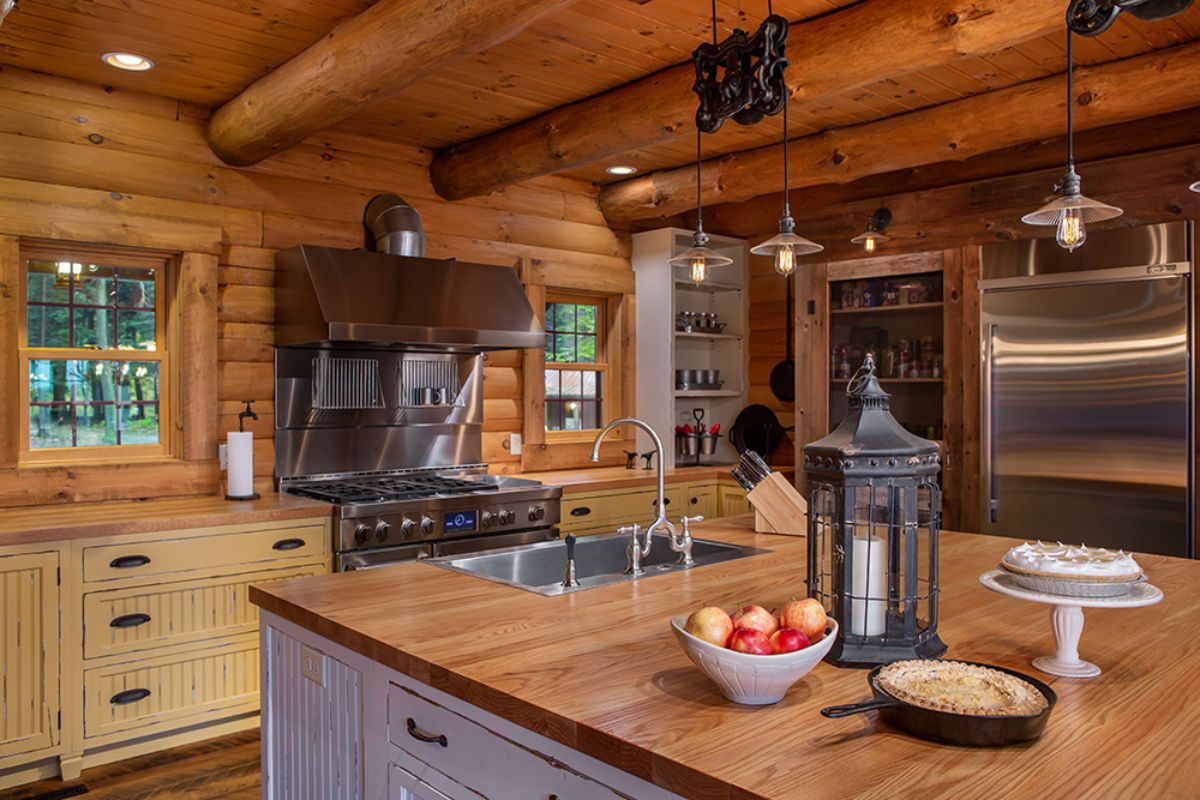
(87, 163)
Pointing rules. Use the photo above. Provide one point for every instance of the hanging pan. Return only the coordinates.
(757, 428)
(783, 374)
(950, 728)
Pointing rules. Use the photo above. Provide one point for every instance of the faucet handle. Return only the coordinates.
(635, 529)
(687, 521)
(570, 546)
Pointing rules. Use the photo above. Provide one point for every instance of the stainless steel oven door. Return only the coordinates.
(474, 544)
(383, 557)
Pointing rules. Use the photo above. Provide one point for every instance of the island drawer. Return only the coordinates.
(170, 691)
(437, 742)
(127, 620)
(210, 550)
(589, 511)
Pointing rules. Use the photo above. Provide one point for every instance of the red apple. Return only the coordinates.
(788, 640)
(756, 618)
(806, 616)
(711, 624)
(748, 640)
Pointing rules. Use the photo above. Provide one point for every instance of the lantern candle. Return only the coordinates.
(868, 581)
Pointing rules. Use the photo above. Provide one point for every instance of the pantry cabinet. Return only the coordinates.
(29, 654)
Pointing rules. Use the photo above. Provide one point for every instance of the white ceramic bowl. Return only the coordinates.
(751, 679)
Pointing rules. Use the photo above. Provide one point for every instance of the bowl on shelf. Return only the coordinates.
(749, 679)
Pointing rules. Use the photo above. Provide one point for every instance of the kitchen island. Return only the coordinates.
(592, 684)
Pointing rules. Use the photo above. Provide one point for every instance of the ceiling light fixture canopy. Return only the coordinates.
(1072, 210)
(873, 236)
(130, 62)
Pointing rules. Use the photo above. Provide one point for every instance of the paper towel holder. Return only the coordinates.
(247, 412)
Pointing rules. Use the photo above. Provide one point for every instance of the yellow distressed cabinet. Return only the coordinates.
(588, 513)
(159, 641)
(29, 655)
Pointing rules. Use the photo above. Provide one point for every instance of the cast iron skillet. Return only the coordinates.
(943, 726)
(757, 428)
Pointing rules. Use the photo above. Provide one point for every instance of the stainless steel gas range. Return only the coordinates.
(400, 516)
(379, 395)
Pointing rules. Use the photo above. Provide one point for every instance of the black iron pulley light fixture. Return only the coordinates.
(1094, 17)
(741, 77)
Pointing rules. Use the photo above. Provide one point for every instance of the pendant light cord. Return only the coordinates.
(699, 197)
(787, 212)
(1070, 102)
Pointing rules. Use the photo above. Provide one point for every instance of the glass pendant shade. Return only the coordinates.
(1071, 213)
(700, 258)
(870, 240)
(785, 247)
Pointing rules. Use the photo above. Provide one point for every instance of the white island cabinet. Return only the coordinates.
(338, 726)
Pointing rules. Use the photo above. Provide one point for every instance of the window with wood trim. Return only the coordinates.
(93, 353)
(576, 362)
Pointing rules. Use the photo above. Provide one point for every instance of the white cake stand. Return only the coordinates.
(1066, 618)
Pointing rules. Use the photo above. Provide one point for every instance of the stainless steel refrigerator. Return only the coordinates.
(1086, 396)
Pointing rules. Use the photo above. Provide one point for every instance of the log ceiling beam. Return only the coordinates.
(861, 44)
(363, 60)
(1108, 94)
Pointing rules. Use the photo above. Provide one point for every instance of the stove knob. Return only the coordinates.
(537, 513)
(381, 530)
(407, 528)
(507, 516)
(426, 526)
(489, 519)
(361, 533)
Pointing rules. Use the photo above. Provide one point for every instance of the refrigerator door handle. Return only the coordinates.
(990, 478)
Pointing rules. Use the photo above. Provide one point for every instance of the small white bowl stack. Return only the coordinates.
(749, 679)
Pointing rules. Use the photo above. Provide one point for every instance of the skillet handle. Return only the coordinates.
(835, 712)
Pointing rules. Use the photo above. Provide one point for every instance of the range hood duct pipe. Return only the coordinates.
(395, 226)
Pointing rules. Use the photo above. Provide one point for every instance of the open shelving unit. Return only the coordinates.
(662, 293)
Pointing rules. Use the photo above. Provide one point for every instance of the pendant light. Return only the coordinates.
(699, 258)
(1072, 211)
(786, 246)
(873, 236)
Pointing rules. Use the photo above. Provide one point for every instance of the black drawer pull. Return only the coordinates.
(422, 736)
(125, 562)
(695, 501)
(129, 696)
(288, 544)
(129, 621)
(581, 511)
(666, 501)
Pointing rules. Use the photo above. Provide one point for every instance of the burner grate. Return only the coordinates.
(380, 490)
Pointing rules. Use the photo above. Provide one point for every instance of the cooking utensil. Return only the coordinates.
(943, 726)
(757, 428)
(783, 374)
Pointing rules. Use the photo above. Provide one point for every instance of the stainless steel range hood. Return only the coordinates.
(329, 295)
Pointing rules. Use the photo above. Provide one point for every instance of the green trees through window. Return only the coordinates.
(575, 364)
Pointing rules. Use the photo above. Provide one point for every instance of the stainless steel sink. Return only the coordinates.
(599, 561)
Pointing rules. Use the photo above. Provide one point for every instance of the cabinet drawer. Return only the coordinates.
(204, 551)
(145, 617)
(166, 692)
(618, 509)
(438, 744)
(701, 500)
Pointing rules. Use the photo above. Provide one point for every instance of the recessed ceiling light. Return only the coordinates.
(127, 61)
(619, 169)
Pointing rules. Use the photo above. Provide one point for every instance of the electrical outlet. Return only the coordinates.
(514, 444)
(312, 664)
(223, 456)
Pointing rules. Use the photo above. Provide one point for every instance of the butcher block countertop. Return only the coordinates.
(82, 520)
(600, 671)
(577, 481)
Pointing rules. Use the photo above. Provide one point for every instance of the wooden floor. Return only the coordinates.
(217, 769)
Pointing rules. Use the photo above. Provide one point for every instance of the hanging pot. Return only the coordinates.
(757, 428)
(783, 374)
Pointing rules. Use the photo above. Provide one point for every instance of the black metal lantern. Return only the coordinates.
(873, 518)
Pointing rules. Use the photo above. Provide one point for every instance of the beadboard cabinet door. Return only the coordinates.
(29, 653)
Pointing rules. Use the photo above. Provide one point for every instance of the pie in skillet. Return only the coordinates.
(959, 688)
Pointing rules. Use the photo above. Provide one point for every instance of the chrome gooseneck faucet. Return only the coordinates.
(638, 550)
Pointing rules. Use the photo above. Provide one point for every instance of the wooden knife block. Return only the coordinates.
(778, 507)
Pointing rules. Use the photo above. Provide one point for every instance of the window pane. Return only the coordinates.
(42, 284)
(139, 423)
(572, 416)
(49, 426)
(553, 410)
(589, 384)
(95, 425)
(94, 327)
(136, 330)
(586, 349)
(48, 381)
(135, 288)
(589, 414)
(572, 381)
(564, 347)
(48, 326)
(552, 383)
(96, 286)
(586, 316)
(564, 317)
(550, 316)
(138, 382)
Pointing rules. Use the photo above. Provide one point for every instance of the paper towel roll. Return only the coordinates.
(240, 460)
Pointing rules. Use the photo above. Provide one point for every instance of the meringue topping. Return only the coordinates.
(1072, 560)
